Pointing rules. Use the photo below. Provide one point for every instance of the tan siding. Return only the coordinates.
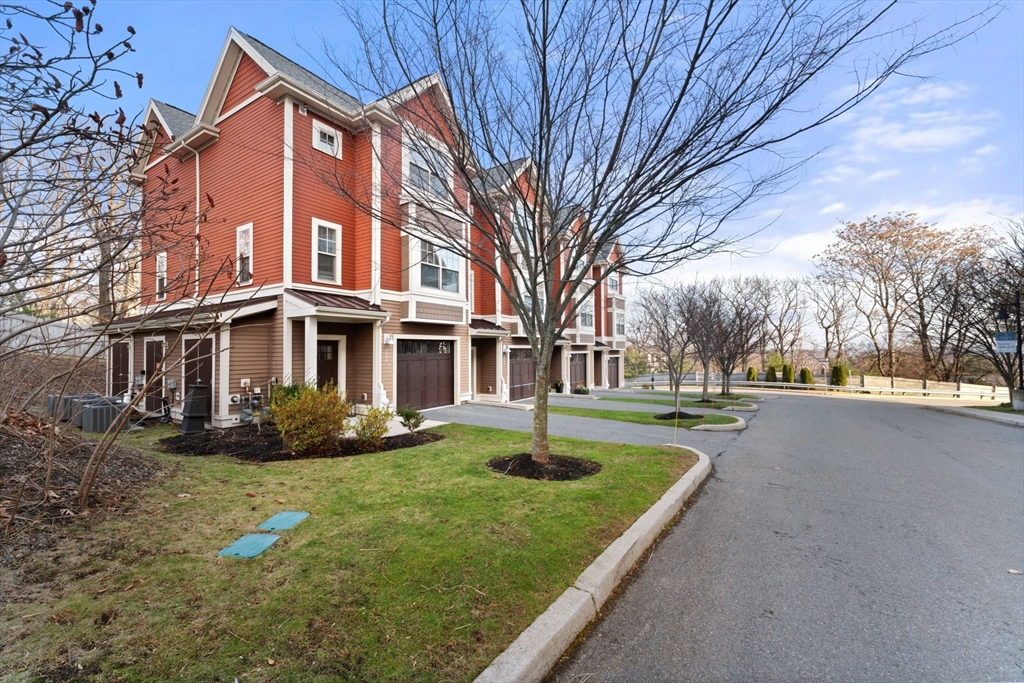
(486, 366)
(395, 327)
(253, 353)
(298, 351)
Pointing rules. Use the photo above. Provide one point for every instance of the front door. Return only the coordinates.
(577, 370)
(199, 367)
(120, 368)
(613, 372)
(326, 362)
(154, 359)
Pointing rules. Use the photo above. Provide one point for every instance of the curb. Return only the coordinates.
(737, 426)
(742, 409)
(535, 652)
(995, 417)
(495, 404)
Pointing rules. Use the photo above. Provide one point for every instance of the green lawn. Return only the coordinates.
(416, 565)
(683, 403)
(642, 418)
(1001, 408)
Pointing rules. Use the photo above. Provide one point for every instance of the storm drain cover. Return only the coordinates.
(249, 545)
(283, 521)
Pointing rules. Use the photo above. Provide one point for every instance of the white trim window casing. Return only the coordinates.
(243, 254)
(326, 139)
(613, 283)
(620, 324)
(161, 276)
(326, 252)
(439, 268)
(586, 313)
(429, 171)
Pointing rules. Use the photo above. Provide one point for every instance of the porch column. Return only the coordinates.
(378, 349)
(310, 356)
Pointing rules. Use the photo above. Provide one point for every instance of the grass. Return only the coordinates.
(1001, 408)
(671, 403)
(415, 565)
(642, 418)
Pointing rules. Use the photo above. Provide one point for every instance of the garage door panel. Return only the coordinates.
(425, 373)
(522, 374)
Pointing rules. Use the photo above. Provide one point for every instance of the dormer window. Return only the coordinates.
(326, 139)
(428, 169)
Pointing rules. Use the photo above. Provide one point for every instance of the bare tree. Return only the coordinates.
(783, 305)
(740, 329)
(572, 133)
(658, 325)
(834, 310)
(702, 310)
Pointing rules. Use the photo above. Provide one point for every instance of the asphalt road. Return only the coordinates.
(837, 540)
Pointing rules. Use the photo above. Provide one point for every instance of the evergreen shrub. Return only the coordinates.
(751, 374)
(770, 375)
(788, 375)
(806, 376)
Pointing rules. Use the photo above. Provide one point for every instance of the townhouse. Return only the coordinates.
(288, 279)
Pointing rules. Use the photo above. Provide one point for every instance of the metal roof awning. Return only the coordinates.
(479, 327)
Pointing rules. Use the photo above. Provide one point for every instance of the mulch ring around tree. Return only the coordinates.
(263, 443)
(558, 467)
(680, 415)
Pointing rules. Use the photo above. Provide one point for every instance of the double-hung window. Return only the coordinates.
(587, 313)
(439, 268)
(613, 283)
(428, 169)
(327, 238)
(161, 276)
(326, 139)
(620, 324)
(243, 254)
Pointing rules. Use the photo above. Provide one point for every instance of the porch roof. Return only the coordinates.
(203, 314)
(480, 327)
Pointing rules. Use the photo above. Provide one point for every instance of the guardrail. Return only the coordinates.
(979, 391)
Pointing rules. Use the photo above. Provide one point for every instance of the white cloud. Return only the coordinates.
(832, 208)
(985, 150)
(883, 174)
(926, 132)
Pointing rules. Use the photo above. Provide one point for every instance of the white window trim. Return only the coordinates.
(588, 303)
(415, 284)
(252, 243)
(161, 294)
(315, 234)
(615, 322)
(317, 128)
(438, 147)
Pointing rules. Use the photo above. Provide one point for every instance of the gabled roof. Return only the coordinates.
(177, 120)
(304, 76)
(497, 177)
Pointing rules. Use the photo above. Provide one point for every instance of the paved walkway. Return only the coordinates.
(838, 540)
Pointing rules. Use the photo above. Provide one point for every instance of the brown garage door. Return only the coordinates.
(613, 372)
(522, 373)
(426, 373)
(577, 370)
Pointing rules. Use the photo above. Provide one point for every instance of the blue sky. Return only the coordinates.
(950, 147)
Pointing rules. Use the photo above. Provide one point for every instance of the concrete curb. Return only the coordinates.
(978, 414)
(742, 409)
(533, 654)
(495, 404)
(737, 426)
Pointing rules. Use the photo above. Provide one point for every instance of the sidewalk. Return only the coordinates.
(990, 415)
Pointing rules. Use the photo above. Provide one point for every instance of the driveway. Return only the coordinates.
(837, 540)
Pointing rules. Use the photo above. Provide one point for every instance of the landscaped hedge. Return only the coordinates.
(751, 374)
(771, 375)
(788, 376)
(806, 376)
(840, 376)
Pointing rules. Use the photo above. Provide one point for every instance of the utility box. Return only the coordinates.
(195, 410)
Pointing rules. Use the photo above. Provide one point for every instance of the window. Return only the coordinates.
(161, 276)
(326, 261)
(428, 169)
(326, 139)
(587, 313)
(243, 255)
(620, 324)
(613, 283)
(439, 268)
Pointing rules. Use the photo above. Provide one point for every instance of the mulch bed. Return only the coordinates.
(263, 443)
(680, 415)
(558, 468)
(41, 517)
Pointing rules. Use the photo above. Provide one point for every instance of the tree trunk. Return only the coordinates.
(707, 368)
(539, 449)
